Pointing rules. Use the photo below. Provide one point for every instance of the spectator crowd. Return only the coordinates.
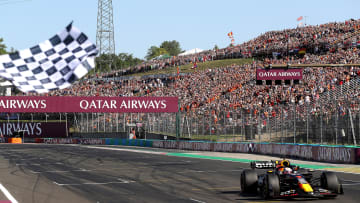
(232, 89)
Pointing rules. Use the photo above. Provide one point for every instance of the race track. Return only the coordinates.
(71, 173)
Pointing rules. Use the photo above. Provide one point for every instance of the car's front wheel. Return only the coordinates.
(271, 187)
(330, 181)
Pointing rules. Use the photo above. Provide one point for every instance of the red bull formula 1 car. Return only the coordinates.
(283, 180)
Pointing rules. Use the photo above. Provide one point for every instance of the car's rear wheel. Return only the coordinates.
(330, 181)
(248, 181)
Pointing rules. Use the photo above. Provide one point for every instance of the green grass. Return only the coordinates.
(201, 66)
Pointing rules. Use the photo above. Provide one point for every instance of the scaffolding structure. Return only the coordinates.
(105, 28)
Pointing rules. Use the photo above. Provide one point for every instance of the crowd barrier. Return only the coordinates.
(323, 153)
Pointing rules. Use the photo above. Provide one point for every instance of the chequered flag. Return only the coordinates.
(51, 65)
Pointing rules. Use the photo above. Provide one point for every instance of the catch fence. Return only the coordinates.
(332, 118)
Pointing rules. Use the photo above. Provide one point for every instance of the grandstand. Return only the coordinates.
(225, 104)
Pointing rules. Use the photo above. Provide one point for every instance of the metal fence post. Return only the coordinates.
(66, 125)
(282, 123)
(117, 122)
(321, 125)
(352, 126)
(210, 121)
(92, 122)
(178, 122)
(294, 122)
(307, 123)
(81, 122)
(259, 128)
(336, 127)
(87, 122)
(276, 127)
(104, 122)
(225, 127)
(251, 127)
(197, 125)
(98, 124)
(124, 123)
(242, 125)
(233, 126)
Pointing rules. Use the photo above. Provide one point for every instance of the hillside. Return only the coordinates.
(201, 66)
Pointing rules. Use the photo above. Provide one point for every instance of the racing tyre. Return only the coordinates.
(248, 181)
(271, 187)
(330, 181)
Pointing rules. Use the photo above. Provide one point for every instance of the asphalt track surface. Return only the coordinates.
(70, 173)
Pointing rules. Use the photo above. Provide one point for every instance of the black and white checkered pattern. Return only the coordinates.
(51, 65)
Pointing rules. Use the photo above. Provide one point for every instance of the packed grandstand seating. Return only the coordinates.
(233, 88)
(323, 40)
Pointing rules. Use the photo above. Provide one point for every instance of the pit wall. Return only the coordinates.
(323, 153)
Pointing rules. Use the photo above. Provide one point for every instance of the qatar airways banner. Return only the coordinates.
(34, 129)
(279, 74)
(25, 104)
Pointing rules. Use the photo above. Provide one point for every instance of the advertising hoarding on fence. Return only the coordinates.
(34, 130)
(51, 104)
(279, 74)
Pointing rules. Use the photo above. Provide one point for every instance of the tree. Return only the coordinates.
(172, 47)
(216, 47)
(103, 63)
(151, 52)
(155, 51)
(125, 60)
(107, 63)
(2, 47)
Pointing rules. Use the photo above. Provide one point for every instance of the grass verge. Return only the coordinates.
(200, 67)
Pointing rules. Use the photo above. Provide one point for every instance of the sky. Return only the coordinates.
(140, 24)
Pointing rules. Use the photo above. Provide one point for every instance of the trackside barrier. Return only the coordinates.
(94, 141)
(127, 142)
(325, 153)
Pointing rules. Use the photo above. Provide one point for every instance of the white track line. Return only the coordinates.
(195, 200)
(7, 194)
(127, 150)
(120, 181)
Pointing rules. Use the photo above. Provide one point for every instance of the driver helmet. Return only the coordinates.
(285, 163)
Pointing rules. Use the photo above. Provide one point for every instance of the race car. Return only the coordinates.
(285, 181)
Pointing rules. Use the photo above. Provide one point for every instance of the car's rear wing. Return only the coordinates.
(263, 164)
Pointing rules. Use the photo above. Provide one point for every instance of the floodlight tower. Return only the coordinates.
(105, 28)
